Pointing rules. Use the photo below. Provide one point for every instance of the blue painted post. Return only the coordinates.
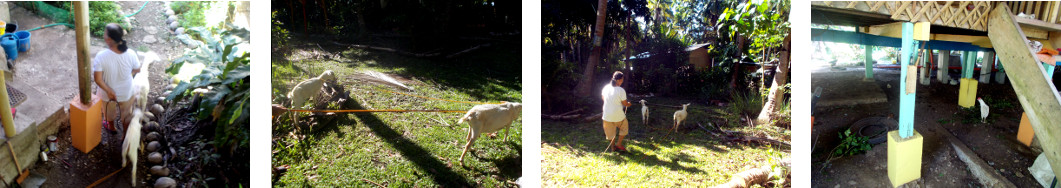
(906, 100)
(968, 64)
(869, 62)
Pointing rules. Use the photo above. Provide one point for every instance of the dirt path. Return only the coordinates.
(994, 142)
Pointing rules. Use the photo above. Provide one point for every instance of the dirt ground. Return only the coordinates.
(994, 142)
(68, 166)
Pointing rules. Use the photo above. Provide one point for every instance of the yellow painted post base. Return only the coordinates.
(1025, 132)
(967, 92)
(85, 122)
(904, 158)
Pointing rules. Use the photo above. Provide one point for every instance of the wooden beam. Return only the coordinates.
(1037, 95)
(894, 30)
(1037, 24)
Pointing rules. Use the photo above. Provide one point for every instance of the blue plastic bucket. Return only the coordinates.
(23, 40)
(10, 44)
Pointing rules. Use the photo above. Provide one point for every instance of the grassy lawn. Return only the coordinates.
(399, 149)
(693, 157)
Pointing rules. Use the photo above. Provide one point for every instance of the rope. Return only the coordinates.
(138, 11)
(105, 177)
(375, 110)
(467, 102)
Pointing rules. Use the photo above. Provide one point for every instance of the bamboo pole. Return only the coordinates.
(84, 64)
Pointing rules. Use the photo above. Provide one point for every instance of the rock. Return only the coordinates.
(155, 158)
(152, 127)
(157, 109)
(174, 25)
(159, 171)
(167, 92)
(151, 30)
(171, 19)
(153, 146)
(153, 136)
(169, 12)
(165, 182)
(149, 39)
(149, 116)
(180, 30)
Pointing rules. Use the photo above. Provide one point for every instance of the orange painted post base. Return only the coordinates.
(1025, 132)
(85, 122)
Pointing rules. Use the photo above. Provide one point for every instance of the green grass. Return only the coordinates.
(573, 153)
(400, 149)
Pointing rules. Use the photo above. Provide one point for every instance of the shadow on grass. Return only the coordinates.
(438, 170)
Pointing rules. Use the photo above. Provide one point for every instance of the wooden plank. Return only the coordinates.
(1037, 95)
(894, 30)
(1037, 24)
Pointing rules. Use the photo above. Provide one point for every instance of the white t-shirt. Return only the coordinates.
(117, 71)
(613, 103)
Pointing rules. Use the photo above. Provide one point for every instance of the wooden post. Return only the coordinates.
(1001, 77)
(869, 63)
(906, 97)
(84, 61)
(942, 65)
(1038, 97)
(987, 67)
(925, 58)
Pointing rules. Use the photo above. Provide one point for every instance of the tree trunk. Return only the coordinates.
(780, 78)
(586, 83)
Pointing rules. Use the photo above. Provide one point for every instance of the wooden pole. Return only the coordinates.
(942, 63)
(987, 67)
(84, 63)
(1038, 97)
(906, 97)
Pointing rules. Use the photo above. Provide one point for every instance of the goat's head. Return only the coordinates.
(643, 102)
(327, 75)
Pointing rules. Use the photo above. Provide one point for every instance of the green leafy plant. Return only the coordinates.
(226, 78)
(851, 144)
(280, 35)
(100, 13)
(192, 13)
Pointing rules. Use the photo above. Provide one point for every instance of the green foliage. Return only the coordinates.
(280, 35)
(851, 144)
(192, 13)
(764, 22)
(100, 13)
(227, 77)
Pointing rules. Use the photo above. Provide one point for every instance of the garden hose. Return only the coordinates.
(49, 25)
(138, 11)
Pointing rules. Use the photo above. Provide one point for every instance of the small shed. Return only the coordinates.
(698, 56)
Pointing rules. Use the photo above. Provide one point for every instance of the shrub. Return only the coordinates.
(192, 13)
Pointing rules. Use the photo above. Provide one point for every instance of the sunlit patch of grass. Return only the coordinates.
(412, 149)
(573, 153)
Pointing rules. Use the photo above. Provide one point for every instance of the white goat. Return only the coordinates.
(679, 116)
(488, 118)
(142, 82)
(131, 144)
(644, 112)
(306, 89)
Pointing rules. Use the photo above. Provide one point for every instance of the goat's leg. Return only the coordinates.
(472, 135)
(506, 131)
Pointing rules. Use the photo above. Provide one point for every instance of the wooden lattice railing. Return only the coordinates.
(961, 14)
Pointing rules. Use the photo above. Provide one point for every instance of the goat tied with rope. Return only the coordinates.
(488, 118)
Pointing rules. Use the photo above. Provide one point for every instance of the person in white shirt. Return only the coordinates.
(614, 116)
(113, 70)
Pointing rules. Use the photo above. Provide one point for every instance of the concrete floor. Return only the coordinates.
(846, 87)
